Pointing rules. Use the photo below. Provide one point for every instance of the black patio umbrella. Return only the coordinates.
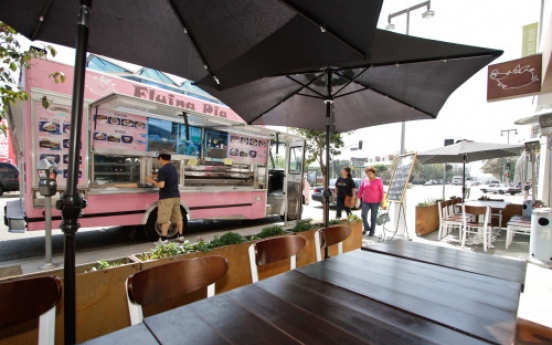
(230, 42)
(466, 152)
(407, 78)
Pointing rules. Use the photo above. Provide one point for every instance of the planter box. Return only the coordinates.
(427, 219)
(101, 304)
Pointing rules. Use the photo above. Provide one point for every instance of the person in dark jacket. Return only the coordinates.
(169, 197)
(344, 187)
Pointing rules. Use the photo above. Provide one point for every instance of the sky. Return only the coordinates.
(466, 115)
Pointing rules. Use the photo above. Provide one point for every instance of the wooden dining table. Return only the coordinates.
(359, 297)
(479, 263)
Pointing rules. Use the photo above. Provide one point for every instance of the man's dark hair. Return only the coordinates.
(165, 157)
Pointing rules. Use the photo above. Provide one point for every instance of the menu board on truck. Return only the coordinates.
(244, 149)
(120, 131)
(53, 126)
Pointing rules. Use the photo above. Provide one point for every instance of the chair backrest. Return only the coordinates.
(26, 299)
(509, 211)
(274, 249)
(476, 212)
(330, 236)
(442, 207)
(172, 280)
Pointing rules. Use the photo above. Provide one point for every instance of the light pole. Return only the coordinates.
(426, 15)
(507, 131)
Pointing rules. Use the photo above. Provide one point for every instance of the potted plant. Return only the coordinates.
(427, 217)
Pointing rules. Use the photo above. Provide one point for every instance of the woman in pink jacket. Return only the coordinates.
(371, 192)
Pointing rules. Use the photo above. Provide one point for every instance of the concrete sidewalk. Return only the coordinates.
(535, 302)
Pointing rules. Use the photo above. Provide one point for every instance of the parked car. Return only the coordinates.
(500, 188)
(9, 178)
(318, 192)
(457, 181)
(439, 181)
(429, 183)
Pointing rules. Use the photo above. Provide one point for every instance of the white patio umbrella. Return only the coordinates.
(465, 152)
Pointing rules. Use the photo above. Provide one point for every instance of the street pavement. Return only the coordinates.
(26, 250)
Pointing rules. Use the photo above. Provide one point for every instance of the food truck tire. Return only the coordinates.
(153, 230)
(1, 190)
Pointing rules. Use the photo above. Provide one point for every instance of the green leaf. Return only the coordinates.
(45, 102)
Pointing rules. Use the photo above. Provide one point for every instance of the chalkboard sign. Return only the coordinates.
(401, 176)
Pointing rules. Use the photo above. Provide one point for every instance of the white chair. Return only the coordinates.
(517, 226)
(448, 219)
(27, 299)
(478, 226)
(172, 280)
(330, 236)
(275, 249)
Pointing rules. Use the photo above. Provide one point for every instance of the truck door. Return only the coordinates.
(293, 181)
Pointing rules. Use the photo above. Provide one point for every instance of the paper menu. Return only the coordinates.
(244, 149)
(117, 130)
(52, 129)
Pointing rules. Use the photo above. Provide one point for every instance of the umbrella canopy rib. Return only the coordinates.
(312, 96)
(193, 41)
(351, 80)
(291, 94)
(41, 19)
(324, 29)
(307, 86)
(366, 87)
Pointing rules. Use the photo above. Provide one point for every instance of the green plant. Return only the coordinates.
(303, 225)
(335, 221)
(353, 218)
(103, 264)
(426, 203)
(202, 246)
(271, 231)
(165, 250)
(226, 239)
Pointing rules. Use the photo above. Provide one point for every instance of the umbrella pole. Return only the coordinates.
(70, 202)
(464, 179)
(327, 172)
(328, 102)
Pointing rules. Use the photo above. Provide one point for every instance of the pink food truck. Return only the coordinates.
(226, 168)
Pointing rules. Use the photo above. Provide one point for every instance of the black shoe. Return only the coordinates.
(370, 234)
(364, 232)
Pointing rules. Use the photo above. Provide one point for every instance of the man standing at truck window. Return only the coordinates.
(168, 210)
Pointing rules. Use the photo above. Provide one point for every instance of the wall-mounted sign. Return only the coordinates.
(516, 78)
(529, 43)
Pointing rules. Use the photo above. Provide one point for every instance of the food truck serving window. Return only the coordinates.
(163, 134)
(116, 169)
(216, 143)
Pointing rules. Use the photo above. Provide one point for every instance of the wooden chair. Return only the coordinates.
(530, 333)
(447, 218)
(517, 225)
(477, 212)
(172, 280)
(27, 299)
(330, 236)
(274, 249)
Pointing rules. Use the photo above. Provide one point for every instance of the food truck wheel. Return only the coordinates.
(153, 230)
(1, 190)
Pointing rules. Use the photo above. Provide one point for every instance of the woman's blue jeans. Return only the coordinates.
(373, 207)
